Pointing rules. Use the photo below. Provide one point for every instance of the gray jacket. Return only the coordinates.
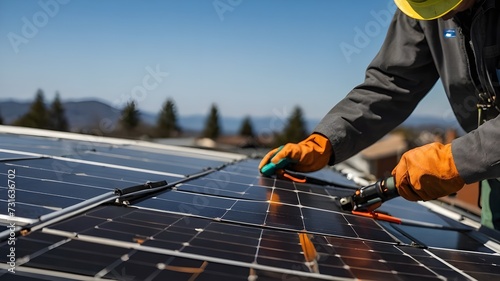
(413, 57)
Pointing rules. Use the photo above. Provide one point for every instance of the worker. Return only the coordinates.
(457, 41)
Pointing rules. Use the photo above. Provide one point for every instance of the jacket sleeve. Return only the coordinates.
(476, 153)
(400, 75)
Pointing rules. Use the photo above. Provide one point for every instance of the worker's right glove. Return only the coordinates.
(309, 155)
(427, 172)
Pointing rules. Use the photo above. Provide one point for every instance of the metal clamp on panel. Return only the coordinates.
(135, 188)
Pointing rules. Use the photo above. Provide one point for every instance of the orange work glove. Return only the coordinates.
(427, 172)
(309, 155)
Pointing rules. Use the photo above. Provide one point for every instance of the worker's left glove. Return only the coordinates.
(309, 155)
(427, 172)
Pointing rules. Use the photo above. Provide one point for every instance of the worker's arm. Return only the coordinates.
(476, 154)
(400, 75)
(396, 80)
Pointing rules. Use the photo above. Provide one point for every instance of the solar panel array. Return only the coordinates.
(96, 208)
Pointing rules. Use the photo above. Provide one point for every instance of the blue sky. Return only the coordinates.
(249, 57)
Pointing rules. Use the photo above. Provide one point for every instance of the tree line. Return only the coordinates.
(53, 117)
(39, 116)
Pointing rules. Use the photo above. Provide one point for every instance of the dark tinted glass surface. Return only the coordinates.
(219, 219)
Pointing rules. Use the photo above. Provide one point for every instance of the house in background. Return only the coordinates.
(383, 155)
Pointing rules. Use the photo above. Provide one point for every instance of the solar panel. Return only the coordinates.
(12, 156)
(46, 185)
(202, 239)
(55, 173)
(149, 161)
(49, 146)
(136, 211)
(400, 207)
(278, 204)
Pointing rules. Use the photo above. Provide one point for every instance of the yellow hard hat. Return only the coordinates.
(426, 9)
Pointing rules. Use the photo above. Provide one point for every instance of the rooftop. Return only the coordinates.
(79, 207)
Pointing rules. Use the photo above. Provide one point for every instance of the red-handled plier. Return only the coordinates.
(378, 216)
(389, 218)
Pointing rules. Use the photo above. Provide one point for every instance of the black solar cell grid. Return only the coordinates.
(227, 223)
(247, 245)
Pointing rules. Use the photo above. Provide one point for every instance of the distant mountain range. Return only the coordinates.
(88, 114)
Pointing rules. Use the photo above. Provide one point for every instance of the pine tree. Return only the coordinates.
(295, 129)
(246, 128)
(167, 120)
(212, 127)
(58, 119)
(37, 116)
(130, 116)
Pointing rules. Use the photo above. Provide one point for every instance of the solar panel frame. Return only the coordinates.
(353, 256)
(219, 218)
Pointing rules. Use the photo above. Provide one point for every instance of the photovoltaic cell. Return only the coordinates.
(444, 239)
(142, 164)
(283, 207)
(334, 177)
(49, 146)
(91, 174)
(413, 211)
(442, 262)
(226, 222)
(478, 265)
(127, 153)
(346, 257)
(46, 185)
(246, 244)
(35, 197)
